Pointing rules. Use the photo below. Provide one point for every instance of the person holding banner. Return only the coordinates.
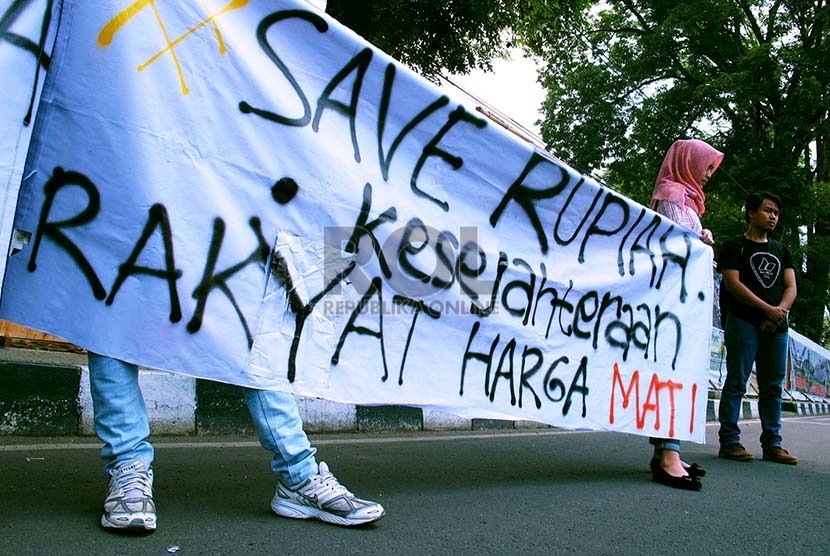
(759, 280)
(678, 195)
(305, 488)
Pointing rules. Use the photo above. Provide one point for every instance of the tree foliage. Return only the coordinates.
(432, 36)
(752, 77)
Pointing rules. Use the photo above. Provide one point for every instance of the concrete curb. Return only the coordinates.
(749, 409)
(47, 394)
(807, 408)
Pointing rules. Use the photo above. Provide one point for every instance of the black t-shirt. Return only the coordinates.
(761, 268)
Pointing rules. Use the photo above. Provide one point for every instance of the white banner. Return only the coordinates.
(26, 34)
(247, 192)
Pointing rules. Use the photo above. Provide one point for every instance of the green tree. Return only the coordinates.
(432, 36)
(752, 77)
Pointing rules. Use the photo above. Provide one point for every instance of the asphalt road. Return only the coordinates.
(505, 493)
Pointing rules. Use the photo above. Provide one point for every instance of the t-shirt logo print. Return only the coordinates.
(766, 267)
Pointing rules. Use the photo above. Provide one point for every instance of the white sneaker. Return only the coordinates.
(129, 505)
(322, 497)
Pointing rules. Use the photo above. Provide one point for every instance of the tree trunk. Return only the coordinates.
(817, 275)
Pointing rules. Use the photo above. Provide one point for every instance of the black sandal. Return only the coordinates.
(694, 469)
(685, 483)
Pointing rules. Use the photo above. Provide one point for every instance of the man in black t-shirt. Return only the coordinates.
(759, 284)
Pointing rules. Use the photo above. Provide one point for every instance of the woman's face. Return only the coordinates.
(707, 174)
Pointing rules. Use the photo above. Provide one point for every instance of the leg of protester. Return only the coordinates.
(668, 469)
(305, 489)
(742, 341)
(770, 369)
(122, 424)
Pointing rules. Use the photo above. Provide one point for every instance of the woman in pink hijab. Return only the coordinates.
(678, 192)
(678, 195)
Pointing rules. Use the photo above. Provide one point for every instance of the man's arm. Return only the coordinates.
(790, 290)
(778, 315)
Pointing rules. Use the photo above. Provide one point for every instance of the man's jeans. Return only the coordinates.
(122, 424)
(745, 345)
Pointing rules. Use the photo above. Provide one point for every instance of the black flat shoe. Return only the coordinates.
(684, 483)
(694, 469)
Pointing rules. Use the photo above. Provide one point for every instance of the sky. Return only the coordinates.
(511, 88)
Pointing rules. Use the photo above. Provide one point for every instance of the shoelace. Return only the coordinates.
(327, 487)
(134, 480)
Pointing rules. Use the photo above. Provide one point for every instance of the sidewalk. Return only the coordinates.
(46, 393)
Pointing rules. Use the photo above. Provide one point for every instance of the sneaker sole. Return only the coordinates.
(286, 508)
(137, 525)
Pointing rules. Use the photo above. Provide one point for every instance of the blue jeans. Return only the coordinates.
(745, 345)
(665, 444)
(122, 424)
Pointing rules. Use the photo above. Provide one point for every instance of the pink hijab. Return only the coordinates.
(683, 168)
